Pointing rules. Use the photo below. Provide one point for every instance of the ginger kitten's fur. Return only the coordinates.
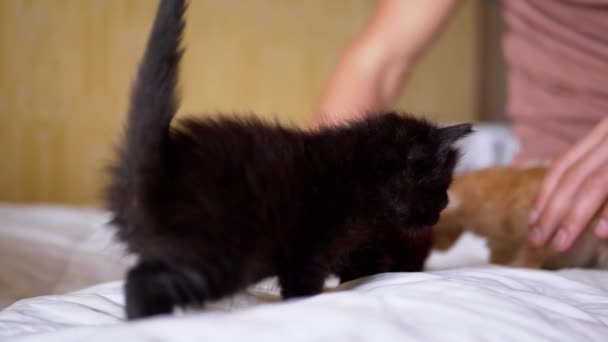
(495, 203)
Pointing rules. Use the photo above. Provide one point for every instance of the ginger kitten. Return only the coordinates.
(495, 203)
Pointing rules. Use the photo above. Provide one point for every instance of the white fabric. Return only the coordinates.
(490, 144)
(466, 304)
(53, 249)
(459, 299)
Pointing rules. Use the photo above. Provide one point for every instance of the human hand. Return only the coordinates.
(575, 188)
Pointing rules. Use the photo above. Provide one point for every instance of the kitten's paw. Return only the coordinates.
(155, 288)
(293, 293)
(300, 284)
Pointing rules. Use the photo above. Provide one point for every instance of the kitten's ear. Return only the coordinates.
(450, 134)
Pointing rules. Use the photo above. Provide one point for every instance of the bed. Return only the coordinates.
(64, 270)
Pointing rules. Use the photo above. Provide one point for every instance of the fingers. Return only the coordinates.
(558, 204)
(592, 194)
(601, 229)
(586, 178)
(561, 199)
(595, 138)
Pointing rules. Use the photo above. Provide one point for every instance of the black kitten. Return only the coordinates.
(216, 205)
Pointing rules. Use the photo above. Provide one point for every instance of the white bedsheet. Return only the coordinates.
(484, 303)
(460, 298)
(55, 249)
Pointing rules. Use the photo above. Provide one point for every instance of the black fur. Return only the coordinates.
(212, 206)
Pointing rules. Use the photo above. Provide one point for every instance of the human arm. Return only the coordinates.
(372, 72)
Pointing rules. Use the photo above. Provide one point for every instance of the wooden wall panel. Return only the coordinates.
(66, 67)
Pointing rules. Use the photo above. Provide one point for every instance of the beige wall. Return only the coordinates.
(66, 65)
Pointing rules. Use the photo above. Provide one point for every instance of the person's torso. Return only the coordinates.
(557, 58)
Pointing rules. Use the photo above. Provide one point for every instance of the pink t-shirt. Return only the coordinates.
(557, 55)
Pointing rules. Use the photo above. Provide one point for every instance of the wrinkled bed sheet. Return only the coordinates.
(55, 249)
(484, 303)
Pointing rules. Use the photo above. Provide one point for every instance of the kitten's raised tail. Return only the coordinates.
(154, 101)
